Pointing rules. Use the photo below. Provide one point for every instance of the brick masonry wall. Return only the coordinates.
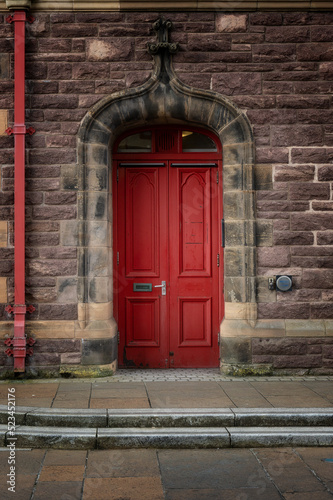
(278, 67)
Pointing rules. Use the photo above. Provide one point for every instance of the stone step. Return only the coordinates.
(170, 418)
(204, 437)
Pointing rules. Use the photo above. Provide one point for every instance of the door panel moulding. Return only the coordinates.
(164, 100)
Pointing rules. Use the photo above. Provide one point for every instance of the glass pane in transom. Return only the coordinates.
(196, 142)
(136, 143)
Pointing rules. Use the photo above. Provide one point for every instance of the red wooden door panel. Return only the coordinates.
(142, 265)
(193, 206)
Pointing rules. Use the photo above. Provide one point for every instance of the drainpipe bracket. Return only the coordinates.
(20, 309)
(20, 130)
(9, 309)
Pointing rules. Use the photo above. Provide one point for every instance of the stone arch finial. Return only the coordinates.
(162, 27)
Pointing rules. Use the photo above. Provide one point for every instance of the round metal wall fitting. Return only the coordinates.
(284, 283)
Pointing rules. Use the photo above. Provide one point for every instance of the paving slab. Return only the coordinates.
(242, 394)
(133, 488)
(218, 494)
(188, 469)
(120, 403)
(76, 403)
(24, 485)
(62, 473)
(117, 389)
(317, 462)
(70, 490)
(122, 463)
(290, 473)
(298, 401)
(65, 457)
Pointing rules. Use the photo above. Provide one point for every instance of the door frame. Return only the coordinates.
(204, 157)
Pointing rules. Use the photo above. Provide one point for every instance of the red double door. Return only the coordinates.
(168, 264)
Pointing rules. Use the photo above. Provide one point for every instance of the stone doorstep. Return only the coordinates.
(225, 437)
(169, 418)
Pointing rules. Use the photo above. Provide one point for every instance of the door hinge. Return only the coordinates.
(117, 258)
(217, 177)
(218, 260)
(218, 338)
(118, 337)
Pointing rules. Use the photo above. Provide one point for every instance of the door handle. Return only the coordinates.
(163, 286)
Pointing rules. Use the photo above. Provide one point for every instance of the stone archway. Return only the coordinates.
(163, 99)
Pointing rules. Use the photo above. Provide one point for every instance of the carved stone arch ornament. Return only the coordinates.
(163, 99)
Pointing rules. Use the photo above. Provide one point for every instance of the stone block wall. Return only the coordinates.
(277, 67)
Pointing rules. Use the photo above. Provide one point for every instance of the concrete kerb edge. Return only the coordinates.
(171, 418)
(226, 437)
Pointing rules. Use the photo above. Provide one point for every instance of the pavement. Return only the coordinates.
(173, 434)
(149, 474)
(140, 389)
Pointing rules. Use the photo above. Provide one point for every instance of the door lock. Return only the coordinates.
(163, 286)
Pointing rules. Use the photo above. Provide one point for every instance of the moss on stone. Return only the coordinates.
(85, 371)
(247, 370)
(65, 371)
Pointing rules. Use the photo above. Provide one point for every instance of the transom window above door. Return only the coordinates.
(174, 140)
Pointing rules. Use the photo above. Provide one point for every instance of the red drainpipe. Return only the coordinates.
(19, 342)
